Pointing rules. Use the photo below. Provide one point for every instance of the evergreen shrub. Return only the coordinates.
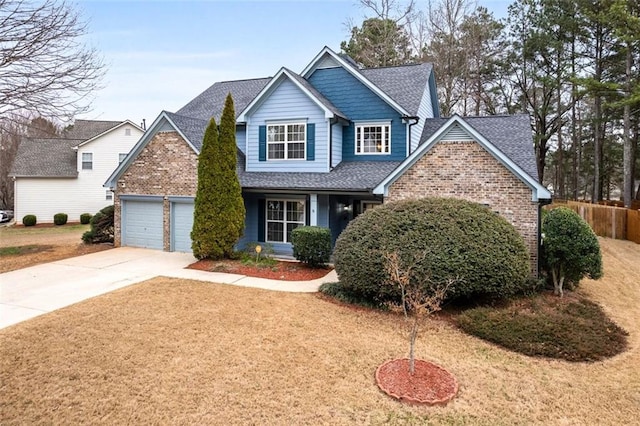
(311, 245)
(60, 218)
(102, 230)
(29, 220)
(445, 239)
(85, 218)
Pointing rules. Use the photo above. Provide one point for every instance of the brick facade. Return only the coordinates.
(167, 166)
(466, 170)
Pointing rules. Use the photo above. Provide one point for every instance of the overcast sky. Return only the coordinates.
(161, 54)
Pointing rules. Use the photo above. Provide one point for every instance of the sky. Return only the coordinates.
(162, 54)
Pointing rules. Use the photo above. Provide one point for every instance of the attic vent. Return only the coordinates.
(327, 62)
(456, 133)
(127, 132)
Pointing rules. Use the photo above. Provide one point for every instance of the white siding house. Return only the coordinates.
(65, 175)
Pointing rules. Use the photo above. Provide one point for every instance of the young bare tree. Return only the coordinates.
(45, 68)
(419, 297)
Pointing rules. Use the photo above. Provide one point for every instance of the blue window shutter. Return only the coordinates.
(262, 212)
(262, 143)
(311, 142)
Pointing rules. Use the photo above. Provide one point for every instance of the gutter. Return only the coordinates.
(416, 120)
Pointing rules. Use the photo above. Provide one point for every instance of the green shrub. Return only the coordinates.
(29, 220)
(544, 326)
(570, 249)
(338, 292)
(447, 239)
(101, 227)
(85, 218)
(60, 218)
(311, 245)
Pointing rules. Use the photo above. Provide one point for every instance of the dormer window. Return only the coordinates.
(286, 141)
(373, 138)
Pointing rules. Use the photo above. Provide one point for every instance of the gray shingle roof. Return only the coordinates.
(192, 128)
(404, 84)
(211, 102)
(87, 129)
(46, 158)
(511, 134)
(317, 94)
(347, 176)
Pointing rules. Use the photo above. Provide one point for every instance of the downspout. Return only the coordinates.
(541, 203)
(416, 120)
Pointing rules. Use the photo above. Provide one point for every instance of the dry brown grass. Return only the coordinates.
(183, 352)
(50, 243)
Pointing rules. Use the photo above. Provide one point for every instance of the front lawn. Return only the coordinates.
(184, 352)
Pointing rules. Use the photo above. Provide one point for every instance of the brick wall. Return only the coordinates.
(465, 170)
(166, 166)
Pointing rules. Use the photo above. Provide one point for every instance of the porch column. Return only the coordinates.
(313, 208)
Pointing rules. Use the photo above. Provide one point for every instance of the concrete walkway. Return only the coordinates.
(33, 291)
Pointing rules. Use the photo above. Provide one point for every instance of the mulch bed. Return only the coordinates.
(281, 270)
(430, 384)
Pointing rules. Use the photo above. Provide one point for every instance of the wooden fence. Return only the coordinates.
(607, 221)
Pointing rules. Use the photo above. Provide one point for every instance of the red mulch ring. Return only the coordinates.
(430, 384)
(282, 270)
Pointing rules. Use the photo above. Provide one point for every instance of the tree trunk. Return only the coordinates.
(629, 154)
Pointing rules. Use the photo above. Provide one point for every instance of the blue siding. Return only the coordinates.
(359, 103)
(323, 211)
(241, 138)
(287, 102)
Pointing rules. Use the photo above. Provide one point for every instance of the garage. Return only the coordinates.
(181, 224)
(142, 223)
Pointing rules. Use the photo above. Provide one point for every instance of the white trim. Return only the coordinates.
(313, 209)
(363, 124)
(354, 72)
(538, 191)
(273, 83)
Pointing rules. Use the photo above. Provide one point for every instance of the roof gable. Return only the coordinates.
(303, 85)
(327, 55)
(111, 129)
(457, 127)
(88, 129)
(190, 129)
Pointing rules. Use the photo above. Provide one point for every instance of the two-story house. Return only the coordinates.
(322, 146)
(65, 174)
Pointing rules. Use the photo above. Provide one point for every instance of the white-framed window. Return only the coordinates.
(121, 157)
(373, 138)
(286, 141)
(283, 216)
(87, 161)
(108, 195)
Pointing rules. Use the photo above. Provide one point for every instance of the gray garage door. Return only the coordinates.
(142, 224)
(181, 224)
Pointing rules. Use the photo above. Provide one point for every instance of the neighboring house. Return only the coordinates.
(66, 174)
(321, 147)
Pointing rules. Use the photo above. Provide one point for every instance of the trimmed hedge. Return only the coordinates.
(29, 220)
(311, 245)
(452, 239)
(60, 218)
(85, 218)
(101, 227)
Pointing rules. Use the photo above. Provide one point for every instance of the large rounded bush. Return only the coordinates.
(445, 239)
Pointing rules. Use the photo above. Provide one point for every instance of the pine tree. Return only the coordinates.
(219, 211)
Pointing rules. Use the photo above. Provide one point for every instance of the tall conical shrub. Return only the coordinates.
(219, 211)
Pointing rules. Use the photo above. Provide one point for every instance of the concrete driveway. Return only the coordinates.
(33, 291)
